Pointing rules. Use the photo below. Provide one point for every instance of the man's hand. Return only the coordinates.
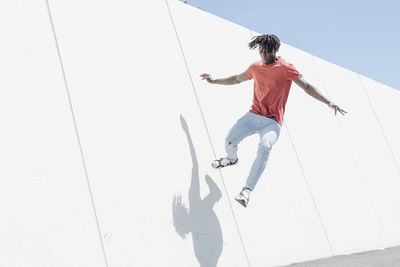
(235, 79)
(337, 108)
(207, 77)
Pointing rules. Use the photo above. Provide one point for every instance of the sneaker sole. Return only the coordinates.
(242, 202)
(220, 166)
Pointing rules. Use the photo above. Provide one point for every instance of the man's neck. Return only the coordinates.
(270, 60)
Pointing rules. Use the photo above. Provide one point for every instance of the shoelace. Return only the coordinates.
(243, 195)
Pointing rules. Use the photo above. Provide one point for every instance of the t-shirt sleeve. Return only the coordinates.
(249, 72)
(292, 73)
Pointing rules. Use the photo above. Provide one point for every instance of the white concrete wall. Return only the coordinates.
(46, 212)
(329, 167)
(142, 128)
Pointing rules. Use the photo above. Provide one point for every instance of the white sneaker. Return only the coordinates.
(223, 162)
(243, 197)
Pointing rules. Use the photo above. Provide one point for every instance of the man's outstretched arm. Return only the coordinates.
(312, 91)
(235, 79)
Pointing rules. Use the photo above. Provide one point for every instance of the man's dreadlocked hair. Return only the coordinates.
(266, 42)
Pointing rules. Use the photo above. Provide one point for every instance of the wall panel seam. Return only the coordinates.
(379, 123)
(309, 189)
(76, 129)
(206, 128)
(349, 147)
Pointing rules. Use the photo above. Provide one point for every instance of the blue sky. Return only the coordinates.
(363, 36)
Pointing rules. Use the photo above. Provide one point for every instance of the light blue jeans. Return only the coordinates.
(251, 123)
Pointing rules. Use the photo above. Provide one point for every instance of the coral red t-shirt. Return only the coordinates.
(271, 87)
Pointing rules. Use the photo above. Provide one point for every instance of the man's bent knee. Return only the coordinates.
(264, 149)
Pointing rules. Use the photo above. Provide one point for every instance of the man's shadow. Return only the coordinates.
(199, 219)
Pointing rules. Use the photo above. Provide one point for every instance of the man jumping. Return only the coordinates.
(273, 77)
